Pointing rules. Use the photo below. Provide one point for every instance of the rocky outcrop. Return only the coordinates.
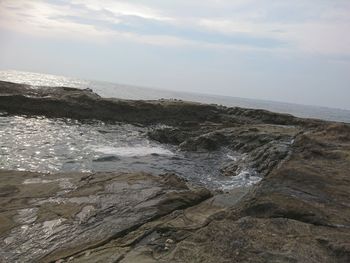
(46, 217)
(85, 104)
(299, 212)
(263, 146)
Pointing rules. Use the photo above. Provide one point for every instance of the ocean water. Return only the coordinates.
(106, 89)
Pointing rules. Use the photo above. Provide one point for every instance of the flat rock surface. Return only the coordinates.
(45, 217)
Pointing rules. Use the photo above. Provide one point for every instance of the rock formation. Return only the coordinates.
(298, 212)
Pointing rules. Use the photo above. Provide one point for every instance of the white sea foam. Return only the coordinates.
(246, 177)
(133, 151)
(231, 157)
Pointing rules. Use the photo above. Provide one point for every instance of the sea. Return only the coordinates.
(47, 145)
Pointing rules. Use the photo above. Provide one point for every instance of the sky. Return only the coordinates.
(291, 51)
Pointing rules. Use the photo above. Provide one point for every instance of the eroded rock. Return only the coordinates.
(299, 212)
(47, 220)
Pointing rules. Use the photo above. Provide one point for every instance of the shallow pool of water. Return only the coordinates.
(64, 145)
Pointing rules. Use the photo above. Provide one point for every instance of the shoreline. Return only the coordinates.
(298, 212)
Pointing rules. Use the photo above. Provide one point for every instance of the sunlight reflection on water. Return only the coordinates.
(64, 145)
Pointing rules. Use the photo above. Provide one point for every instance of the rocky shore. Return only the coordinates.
(298, 212)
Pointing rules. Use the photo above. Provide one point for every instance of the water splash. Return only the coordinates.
(133, 151)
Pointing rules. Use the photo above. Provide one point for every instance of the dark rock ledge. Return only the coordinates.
(299, 212)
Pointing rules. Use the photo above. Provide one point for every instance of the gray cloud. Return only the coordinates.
(288, 25)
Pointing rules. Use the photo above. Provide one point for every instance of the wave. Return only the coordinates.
(132, 151)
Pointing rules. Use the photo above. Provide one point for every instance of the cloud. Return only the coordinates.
(121, 8)
(294, 26)
(38, 18)
(319, 37)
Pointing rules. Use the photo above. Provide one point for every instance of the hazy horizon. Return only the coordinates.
(291, 51)
(165, 90)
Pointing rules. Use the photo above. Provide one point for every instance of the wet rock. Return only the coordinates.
(262, 146)
(231, 169)
(256, 240)
(168, 135)
(308, 186)
(109, 158)
(207, 142)
(156, 240)
(169, 241)
(85, 104)
(46, 223)
(299, 212)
